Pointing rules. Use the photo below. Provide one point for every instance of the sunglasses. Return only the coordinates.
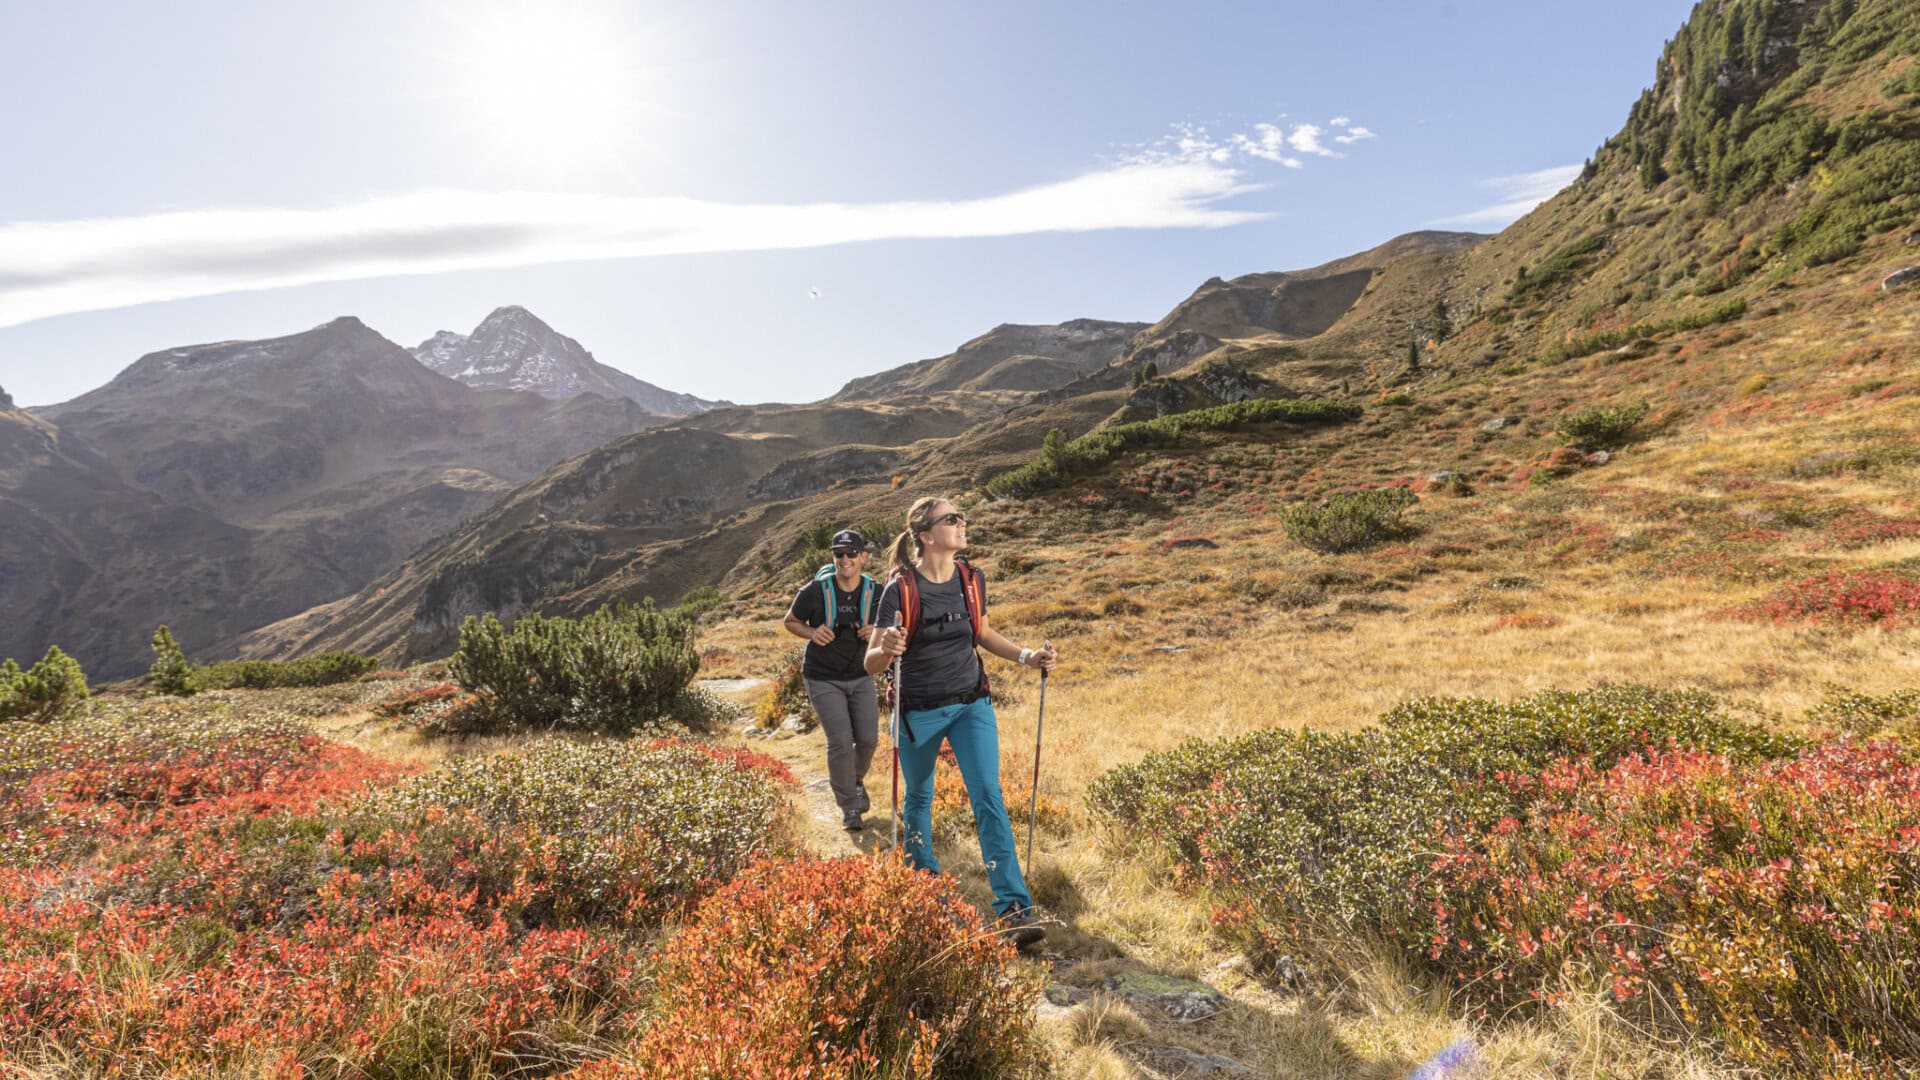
(848, 554)
(950, 519)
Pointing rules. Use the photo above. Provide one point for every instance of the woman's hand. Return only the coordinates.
(866, 633)
(1043, 658)
(893, 640)
(822, 635)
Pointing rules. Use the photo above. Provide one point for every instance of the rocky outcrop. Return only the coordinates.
(1172, 353)
(817, 472)
(1900, 279)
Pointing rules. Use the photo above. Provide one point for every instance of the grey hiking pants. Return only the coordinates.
(850, 716)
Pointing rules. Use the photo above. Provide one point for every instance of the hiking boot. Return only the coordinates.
(866, 804)
(853, 823)
(1018, 926)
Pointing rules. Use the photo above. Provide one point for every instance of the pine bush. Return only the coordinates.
(1350, 521)
(50, 690)
(615, 670)
(170, 673)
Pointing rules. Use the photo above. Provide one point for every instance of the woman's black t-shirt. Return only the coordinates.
(940, 663)
(845, 657)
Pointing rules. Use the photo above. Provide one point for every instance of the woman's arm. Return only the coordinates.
(887, 644)
(997, 644)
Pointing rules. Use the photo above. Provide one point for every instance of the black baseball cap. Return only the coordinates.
(848, 540)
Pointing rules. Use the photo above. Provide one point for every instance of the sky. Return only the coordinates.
(754, 202)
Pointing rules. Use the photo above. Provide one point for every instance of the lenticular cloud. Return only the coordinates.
(63, 267)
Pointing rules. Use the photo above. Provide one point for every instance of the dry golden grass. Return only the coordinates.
(1513, 590)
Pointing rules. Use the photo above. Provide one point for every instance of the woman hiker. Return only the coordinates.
(834, 612)
(944, 687)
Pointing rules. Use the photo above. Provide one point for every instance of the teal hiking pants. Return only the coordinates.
(975, 737)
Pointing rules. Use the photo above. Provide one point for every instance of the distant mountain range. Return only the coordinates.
(217, 487)
(512, 349)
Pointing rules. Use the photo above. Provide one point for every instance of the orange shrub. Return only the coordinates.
(840, 967)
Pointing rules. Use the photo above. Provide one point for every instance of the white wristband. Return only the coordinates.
(1025, 655)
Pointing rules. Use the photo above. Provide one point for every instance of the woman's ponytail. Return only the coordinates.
(907, 546)
(901, 553)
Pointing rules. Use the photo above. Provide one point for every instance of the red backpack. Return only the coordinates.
(973, 592)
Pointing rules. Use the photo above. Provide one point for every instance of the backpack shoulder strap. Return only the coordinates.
(866, 594)
(973, 592)
(909, 600)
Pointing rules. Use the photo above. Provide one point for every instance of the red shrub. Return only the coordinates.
(403, 702)
(1845, 598)
(1776, 905)
(829, 968)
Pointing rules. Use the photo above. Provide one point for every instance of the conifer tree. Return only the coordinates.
(47, 691)
(171, 674)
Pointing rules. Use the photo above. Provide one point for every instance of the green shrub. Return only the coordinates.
(1060, 460)
(1558, 267)
(1296, 828)
(323, 669)
(1350, 521)
(1588, 344)
(615, 670)
(1867, 716)
(50, 690)
(170, 673)
(1601, 425)
(606, 832)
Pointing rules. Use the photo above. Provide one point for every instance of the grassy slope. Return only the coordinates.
(1770, 434)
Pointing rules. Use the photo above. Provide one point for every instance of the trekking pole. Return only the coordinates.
(1033, 807)
(899, 705)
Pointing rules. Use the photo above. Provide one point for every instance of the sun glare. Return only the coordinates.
(558, 86)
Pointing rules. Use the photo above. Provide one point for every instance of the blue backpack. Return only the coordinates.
(824, 577)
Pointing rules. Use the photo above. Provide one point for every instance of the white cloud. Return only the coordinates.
(1518, 194)
(1276, 143)
(1340, 121)
(1306, 139)
(1268, 143)
(50, 268)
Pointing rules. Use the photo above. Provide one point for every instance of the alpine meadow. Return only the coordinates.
(1482, 655)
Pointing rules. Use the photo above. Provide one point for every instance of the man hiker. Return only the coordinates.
(941, 601)
(834, 612)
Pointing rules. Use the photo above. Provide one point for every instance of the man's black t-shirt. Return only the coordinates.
(846, 656)
(940, 663)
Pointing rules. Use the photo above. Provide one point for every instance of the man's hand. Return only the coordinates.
(822, 635)
(866, 633)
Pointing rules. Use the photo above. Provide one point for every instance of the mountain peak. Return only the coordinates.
(514, 349)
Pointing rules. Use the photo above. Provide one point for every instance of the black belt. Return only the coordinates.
(967, 698)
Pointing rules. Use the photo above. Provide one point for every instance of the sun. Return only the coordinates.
(554, 86)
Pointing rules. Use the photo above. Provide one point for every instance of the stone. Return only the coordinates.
(1180, 1061)
(1900, 279)
(1438, 478)
(1499, 422)
(1914, 237)
(1598, 457)
(1287, 972)
(1063, 995)
(1181, 999)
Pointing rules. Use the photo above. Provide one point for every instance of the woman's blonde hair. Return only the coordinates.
(907, 546)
